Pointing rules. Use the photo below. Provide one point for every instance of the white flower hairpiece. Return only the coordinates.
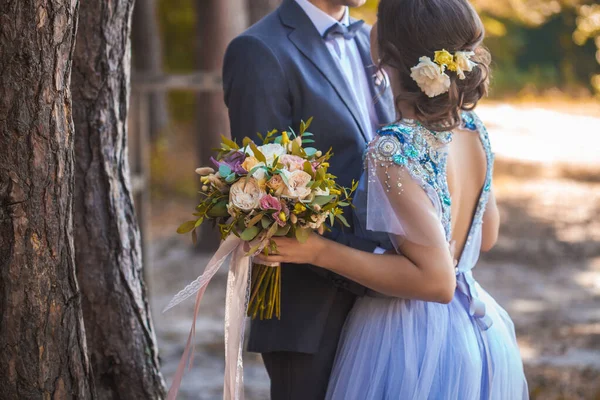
(431, 76)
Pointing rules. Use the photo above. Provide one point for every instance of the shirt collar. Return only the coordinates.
(320, 19)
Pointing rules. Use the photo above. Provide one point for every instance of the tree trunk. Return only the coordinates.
(218, 22)
(42, 338)
(257, 9)
(148, 59)
(121, 338)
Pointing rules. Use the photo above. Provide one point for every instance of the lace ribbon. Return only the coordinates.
(238, 289)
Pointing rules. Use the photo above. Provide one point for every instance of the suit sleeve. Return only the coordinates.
(258, 98)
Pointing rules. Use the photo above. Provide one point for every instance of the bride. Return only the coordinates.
(427, 330)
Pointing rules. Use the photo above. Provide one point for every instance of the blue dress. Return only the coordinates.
(415, 350)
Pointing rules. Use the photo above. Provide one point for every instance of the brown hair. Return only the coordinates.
(410, 29)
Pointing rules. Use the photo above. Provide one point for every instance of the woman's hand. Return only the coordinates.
(290, 250)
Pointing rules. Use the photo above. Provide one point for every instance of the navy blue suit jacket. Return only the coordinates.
(276, 74)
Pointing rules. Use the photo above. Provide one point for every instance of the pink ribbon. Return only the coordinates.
(238, 293)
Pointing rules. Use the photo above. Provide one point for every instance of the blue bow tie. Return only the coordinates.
(348, 32)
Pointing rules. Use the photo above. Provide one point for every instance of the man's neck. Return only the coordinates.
(336, 11)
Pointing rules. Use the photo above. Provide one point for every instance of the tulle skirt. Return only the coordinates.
(415, 350)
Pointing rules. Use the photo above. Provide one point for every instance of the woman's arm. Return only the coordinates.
(491, 224)
(422, 273)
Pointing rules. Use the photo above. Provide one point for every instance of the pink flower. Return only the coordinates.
(282, 216)
(292, 163)
(269, 202)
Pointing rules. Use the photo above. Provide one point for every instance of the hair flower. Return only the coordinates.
(462, 60)
(444, 59)
(430, 77)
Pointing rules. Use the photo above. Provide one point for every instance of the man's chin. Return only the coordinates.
(354, 3)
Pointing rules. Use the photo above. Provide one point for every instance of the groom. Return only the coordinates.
(308, 59)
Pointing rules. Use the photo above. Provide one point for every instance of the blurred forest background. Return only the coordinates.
(543, 116)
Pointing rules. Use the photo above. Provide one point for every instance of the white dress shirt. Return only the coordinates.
(348, 59)
(345, 53)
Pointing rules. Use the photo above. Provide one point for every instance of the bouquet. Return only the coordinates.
(256, 192)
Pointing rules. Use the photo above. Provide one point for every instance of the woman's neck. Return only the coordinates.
(335, 10)
(403, 109)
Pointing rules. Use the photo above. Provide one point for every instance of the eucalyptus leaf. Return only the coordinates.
(218, 210)
(224, 170)
(310, 151)
(282, 231)
(250, 233)
(266, 222)
(230, 178)
(322, 200)
(302, 234)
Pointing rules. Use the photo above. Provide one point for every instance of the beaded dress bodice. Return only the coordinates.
(423, 153)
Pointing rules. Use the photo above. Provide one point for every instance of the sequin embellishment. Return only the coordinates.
(424, 155)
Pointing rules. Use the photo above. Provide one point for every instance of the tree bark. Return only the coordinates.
(148, 59)
(218, 22)
(42, 340)
(257, 9)
(121, 338)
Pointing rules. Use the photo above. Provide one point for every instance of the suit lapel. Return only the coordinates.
(308, 41)
(378, 85)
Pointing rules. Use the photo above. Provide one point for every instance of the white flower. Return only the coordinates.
(463, 63)
(321, 192)
(260, 172)
(245, 194)
(270, 151)
(430, 77)
(296, 185)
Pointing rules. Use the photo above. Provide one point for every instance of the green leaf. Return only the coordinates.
(306, 141)
(259, 156)
(186, 227)
(310, 120)
(194, 237)
(343, 204)
(342, 219)
(198, 222)
(302, 127)
(307, 134)
(218, 210)
(322, 200)
(272, 230)
(282, 231)
(233, 145)
(310, 151)
(247, 140)
(250, 233)
(224, 170)
(309, 169)
(297, 150)
(256, 219)
(266, 222)
(302, 234)
(230, 178)
(320, 174)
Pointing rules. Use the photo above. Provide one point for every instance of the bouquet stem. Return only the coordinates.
(265, 295)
